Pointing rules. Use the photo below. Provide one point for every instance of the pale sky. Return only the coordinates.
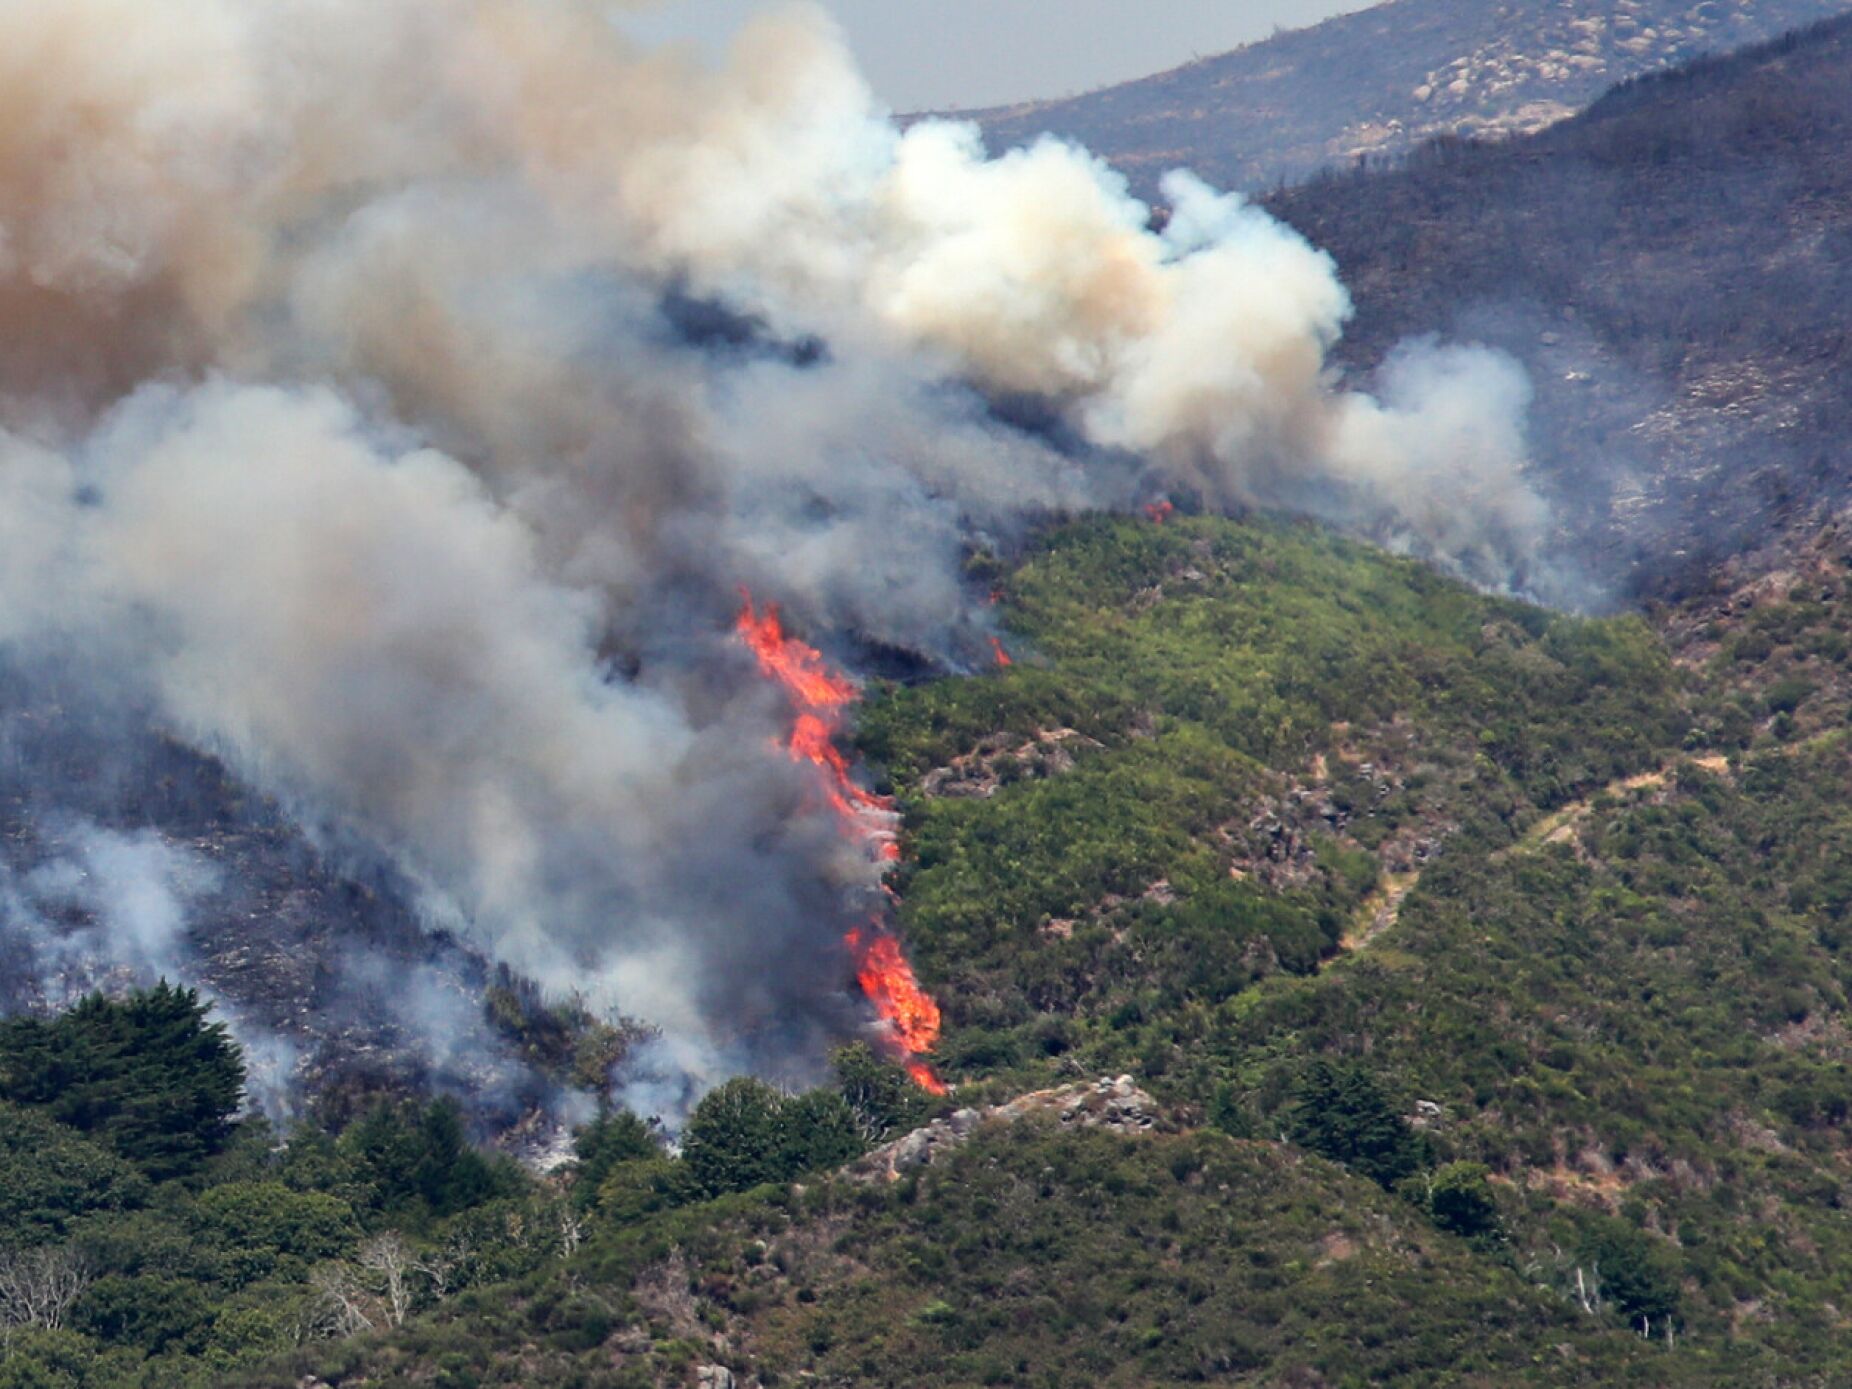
(923, 54)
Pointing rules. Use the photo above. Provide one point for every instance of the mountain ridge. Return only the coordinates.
(1380, 81)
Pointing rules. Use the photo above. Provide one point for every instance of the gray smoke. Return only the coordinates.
(111, 910)
(341, 416)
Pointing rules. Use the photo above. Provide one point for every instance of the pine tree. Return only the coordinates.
(1340, 1111)
(147, 1075)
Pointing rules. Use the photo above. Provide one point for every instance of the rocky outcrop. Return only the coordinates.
(1110, 1103)
(1003, 758)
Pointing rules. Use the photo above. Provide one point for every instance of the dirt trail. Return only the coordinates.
(1559, 827)
(1378, 912)
(1382, 908)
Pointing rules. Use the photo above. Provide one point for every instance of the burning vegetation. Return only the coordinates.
(431, 550)
(821, 696)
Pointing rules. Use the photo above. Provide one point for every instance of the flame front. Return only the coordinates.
(887, 979)
(821, 696)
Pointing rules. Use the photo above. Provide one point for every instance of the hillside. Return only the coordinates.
(1382, 80)
(126, 855)
(1674, 268)
(1344, 976)
(1475, 972)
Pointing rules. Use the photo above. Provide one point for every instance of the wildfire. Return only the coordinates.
(1003, 657)
(1160, 511)
(887, 979)
(821, 696)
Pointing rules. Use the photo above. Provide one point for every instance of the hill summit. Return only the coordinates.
(1382, 80)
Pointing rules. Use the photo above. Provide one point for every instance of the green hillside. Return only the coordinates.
(1477, 969)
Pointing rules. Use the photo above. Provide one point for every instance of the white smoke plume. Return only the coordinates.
(346, 404)
(112, 908)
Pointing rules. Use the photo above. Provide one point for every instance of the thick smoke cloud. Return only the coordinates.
(340, 409)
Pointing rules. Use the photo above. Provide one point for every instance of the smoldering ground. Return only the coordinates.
(355, 419)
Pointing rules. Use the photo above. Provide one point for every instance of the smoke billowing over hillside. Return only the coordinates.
(397, 394)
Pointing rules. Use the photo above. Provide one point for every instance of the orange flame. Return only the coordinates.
(1003, 657)
(889, 983)
(1160, 511)
(821, 696)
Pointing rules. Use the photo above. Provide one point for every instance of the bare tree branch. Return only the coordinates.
(38, 1287)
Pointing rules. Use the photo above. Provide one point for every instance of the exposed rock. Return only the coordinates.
(1000, 759)
(1113, 1103)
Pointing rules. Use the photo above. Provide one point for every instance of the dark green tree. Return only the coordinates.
(38, 1359)
(734, 1139)
(51, 1175)
(1459, 1199)
(638, 1189)
(254, 1230)
(819, 1132)
(1229, 1114)
(451, 1175)
(881, 1096)
(1339, 1111)
(1635, 1275)
(419, 1162)
(153, 1314)
(147, 1074)
(612, 1139)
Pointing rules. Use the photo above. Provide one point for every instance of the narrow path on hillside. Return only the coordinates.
(1380, 911)
(1377, 912)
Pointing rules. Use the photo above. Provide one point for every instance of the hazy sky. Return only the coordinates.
(936, 53)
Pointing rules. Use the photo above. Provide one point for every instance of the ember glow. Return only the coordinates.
(821, 696)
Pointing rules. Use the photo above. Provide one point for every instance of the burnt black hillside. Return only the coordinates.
(1675, 267)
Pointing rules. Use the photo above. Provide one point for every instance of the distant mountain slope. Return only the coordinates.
(1675, 269)
(1382, 80)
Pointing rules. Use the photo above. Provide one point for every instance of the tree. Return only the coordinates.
(152, 1313)
(419, 1157)
(342, 1306)
(39, 1359)
(612, 1139)
(451, 1176)
(734, 1139)
(638, 1189)
(390, 1263)
(1635, 1277)
(882, 1098)
(264, 1227)
(1459, 1199)
(147, 1075)
(1340, 1111)
(38, 1287)
(1228, 1114)
(51, 1175)
(819, 1132)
